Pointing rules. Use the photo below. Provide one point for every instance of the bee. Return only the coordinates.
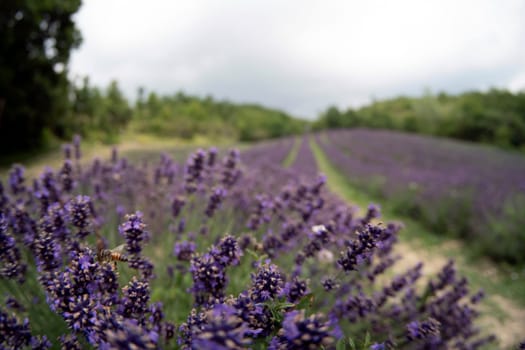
(105, 255)
(115, 254)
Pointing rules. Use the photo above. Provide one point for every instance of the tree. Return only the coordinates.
(117, 112)
(36, 38)
(333, 117)
(85, 106)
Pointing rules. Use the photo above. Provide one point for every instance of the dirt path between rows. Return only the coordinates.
(500, 316)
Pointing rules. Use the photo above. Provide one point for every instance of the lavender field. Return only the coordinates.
(457, 189)
(228, 250)
(336, 175)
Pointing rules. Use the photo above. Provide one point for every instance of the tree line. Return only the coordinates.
(36, 38)
(105, 113)
(39, 104)
(494, 117)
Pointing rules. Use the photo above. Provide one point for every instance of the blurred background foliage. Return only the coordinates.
(41, 107)
(103, 114)
(36, 38)
(494, 117)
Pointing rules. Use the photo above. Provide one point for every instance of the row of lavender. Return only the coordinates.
(467, 190)
(305, 163)
(221, 255)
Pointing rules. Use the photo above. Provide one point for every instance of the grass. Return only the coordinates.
(290, 158)
(134, 146)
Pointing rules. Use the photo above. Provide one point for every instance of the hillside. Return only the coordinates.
(494, 117)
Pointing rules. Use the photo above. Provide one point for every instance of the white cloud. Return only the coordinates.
(302, 55)
(518, 82)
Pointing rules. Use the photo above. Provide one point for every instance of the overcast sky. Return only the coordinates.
(302, 56)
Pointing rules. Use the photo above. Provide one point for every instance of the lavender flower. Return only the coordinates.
(66, 148)
(169, 331)
(223, 330)
(129, 335)
(354, 307)
(372, 212)
(3, 197)
(17, 179)
(423, 330)
(189, 329)
(69, 342)
(76, 145)
(133, 229)
(55, 221)
(476, 298)
(11, 266)
(227, 252)
(256, 315)
(246, 241)
(80, 292)
(81, 213)
(295, 290)
(81, 312)
(445, 277)
(194, 171)
(320, 238)
(215, 201)
(231, 173)
(49, 183)
(46, 248)
(182, 225)
(300, 259)
(22, 224)
(157, 315)
(360, 250)
(15, 334)
(301, 332)
(144, 265)
(267, 283)
(66, 176)
(212, 156)
(271, 244)
(260, 213)
(114, 155)
(184, 250)
(14, 305)
(177, 205)
(329, 284)
(40, 343)
(135, 300)
(209, 279)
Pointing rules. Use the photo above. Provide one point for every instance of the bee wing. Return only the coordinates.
(119, 249)
(101, 244)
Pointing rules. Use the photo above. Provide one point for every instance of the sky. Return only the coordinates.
(300, 55)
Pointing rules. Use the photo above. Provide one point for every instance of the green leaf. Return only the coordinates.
(341, 345)
(367, 343)
(351, 343)
(252, 253)
(306, 302)
(286, 305)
